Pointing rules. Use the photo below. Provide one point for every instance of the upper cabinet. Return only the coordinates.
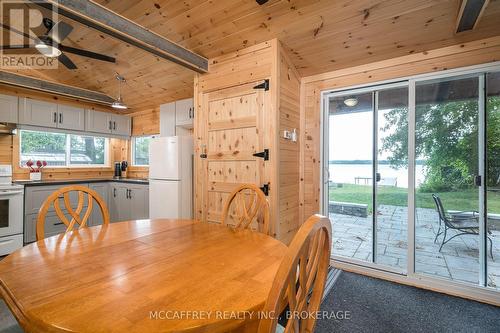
(47, 114)
(110, 123)
(38, 113)
(70, 117)
(8, 109)
(184, 113)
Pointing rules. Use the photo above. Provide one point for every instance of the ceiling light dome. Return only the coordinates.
(351, 101)
(48, 50)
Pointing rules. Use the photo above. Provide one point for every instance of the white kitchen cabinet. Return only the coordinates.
(103, 190)
(184, 113)
(37, 113)
(139, 201)
(122, 125)
(167, 119)
(70, 117)
(97, 121)
(108, 123)
(8, 109)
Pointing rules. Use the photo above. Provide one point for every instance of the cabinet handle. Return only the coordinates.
(114, 193)
(130, 194)
(114, 125)
(109, 125)
(55, 117)
(60, 118)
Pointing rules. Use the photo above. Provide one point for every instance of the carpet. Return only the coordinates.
(363, 304)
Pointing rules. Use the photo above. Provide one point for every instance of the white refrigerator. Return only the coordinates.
(171, 177)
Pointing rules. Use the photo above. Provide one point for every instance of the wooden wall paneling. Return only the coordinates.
(6, 149)
(288, 152)
(146, 122)
(465, 54)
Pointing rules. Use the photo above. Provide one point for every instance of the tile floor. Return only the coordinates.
(458, 259)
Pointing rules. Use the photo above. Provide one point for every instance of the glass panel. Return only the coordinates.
(141, 150)
(493, 180)
(392, 178)
(43, 146)
(87, 150)
(350, 167)
(447, 220)
(4, 213)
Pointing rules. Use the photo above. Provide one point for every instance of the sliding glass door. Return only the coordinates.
(447, 147)
(367, 179)
(423, 153)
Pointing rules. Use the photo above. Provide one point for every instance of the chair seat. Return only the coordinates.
(465, 224)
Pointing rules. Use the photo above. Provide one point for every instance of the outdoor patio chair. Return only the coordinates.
(463, 222)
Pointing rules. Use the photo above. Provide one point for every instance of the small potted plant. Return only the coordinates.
(36, 169)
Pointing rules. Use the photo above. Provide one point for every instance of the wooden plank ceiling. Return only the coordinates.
(320, 35)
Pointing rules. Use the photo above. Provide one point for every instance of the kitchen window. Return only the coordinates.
(63, 150)
(140, 150)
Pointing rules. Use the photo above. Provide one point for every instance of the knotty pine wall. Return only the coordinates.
(9, 145)
(465, 54)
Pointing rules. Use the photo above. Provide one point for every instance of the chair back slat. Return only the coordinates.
(440, 208)
(301, 277)
(247, 206)
(76, 220)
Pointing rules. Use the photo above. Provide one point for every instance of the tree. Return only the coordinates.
(446, 138)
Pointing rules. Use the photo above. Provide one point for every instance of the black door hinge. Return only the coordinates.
(264, 85)
(263, 154)
(265, 189)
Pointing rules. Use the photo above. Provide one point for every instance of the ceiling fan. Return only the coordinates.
(50, 45)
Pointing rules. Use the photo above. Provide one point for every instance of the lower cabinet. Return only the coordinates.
(128, 201)
(125, 201)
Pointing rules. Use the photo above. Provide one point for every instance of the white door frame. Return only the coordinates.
(477, 292)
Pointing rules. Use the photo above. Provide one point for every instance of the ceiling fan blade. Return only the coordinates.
(8, 27)
(66, 61)
(15, 47)
(85, 53)
(59, 32)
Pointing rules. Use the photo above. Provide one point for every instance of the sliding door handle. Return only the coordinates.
(378, 177)
(478, 180)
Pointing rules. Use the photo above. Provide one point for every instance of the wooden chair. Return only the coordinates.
(250, 205)
(64, 193)
(300, 281)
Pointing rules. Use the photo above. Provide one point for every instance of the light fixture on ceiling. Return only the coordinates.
(351, 101)
(118, 103)
(47, 48)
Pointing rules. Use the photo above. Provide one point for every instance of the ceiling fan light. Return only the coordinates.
(48, 50)
(351, 101)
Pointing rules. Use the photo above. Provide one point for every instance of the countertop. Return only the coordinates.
(81, 181)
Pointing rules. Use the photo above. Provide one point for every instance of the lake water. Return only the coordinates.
(346, 173)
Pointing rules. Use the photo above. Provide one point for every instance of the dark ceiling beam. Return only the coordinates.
(54, 88)
(110, 23)
(470, 14)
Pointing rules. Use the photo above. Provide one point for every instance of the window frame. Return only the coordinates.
(132, 150)
(107, 157)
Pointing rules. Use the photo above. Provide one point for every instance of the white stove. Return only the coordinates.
(11, 212)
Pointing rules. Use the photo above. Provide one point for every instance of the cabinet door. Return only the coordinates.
(184, 112)
(35, 196)
(139, 202)
(167, 119)
(119, 203)
(8, 109)
(71, 117)
(37, 113)
(103, 190)
(122, 125)
(98, 122)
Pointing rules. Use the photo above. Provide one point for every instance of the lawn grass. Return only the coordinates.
(465, 200)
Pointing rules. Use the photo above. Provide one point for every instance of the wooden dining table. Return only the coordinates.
(159, 275)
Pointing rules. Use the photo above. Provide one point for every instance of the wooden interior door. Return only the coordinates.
(234, 127)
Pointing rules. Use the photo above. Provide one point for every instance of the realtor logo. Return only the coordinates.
(24, 37)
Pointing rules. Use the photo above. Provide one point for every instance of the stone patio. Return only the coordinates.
(458, 259)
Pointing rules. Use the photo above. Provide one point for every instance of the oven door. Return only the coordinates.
(11, 212)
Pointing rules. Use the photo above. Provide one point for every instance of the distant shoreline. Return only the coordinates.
(365, 162)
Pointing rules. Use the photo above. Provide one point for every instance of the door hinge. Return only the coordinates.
(477, 180)
(263, 154)
(265, 189)
(264, 85)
